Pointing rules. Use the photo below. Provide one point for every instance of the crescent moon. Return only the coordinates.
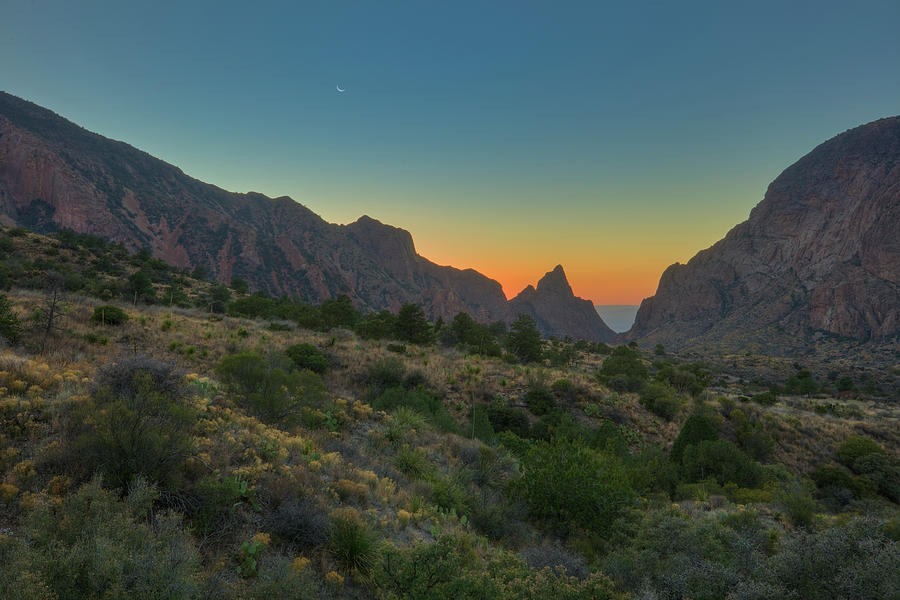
(338, 88)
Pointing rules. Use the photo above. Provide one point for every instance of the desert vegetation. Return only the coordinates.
(168, 437)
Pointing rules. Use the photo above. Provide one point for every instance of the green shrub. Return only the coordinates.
(352, 543)
(799, 506)
(539, 400)
(307, 356)
(139, 423)
(251, 307)
(765, 398)
(625, 364)
(507, 418)
(269, 387)
(92, 545)
(413, 463)
(723, 461)
(570, 485)
(855, 447)
(385, 373)
(882, 471)
(218, 499)
(421, 401)
(109, 315)
(698, 427)
(660, 399)
(451, 567)
(524, 339)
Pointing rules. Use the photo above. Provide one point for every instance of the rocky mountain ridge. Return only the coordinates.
(55, 174)
(818, 258)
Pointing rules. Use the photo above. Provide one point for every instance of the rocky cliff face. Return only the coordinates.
(558, 311)
(818, 257)
(54, 174)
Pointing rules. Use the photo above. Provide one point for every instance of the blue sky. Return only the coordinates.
(508, 137)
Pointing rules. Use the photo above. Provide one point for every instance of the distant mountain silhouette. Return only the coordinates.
(55, 174)
(818, 259)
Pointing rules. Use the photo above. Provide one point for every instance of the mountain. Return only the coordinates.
(55, 174)
(558, 311)
(818, 258)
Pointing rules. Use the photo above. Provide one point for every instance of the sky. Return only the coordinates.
(612, 138)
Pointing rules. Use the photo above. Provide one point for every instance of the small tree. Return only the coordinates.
(10, 327)
(339, 312)
(218, 298)
(239, 285)
(524, 339)
(140, 287)
(412, 326)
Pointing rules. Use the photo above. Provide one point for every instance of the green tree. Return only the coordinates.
(524, 339)
(200, 273)
(218, 298)
(697, 428)
(412, 325)
(140, 287)
(239, 285)
(339, 312)
(10, 327)
(377, 326)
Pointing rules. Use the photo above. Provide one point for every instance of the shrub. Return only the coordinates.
(451, 567)
(855, 447)
(660, 399)
(570, 485)
(92, 545)
(377, 326)
(421, 401)
(883, 471)
(109, 315)
(300, 522)
(625, 363)
(540, 400)
(254, 306)
(765, 398)
(799, 506)
(352, 543)
(140, 423)
(273, 392)
(307, 356)
(507, 418)
(697, 428)
(218, 500)
(721, 460)
(385, 373)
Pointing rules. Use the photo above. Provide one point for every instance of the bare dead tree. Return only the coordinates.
(48, 319)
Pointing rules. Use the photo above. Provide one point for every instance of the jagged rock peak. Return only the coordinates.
(555, 281)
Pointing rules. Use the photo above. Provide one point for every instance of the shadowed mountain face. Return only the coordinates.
(55, 174)
(818, 257)
(558, 312)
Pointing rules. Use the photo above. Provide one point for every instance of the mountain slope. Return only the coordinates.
(818, 257)
(55, 174)
(558, 312)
